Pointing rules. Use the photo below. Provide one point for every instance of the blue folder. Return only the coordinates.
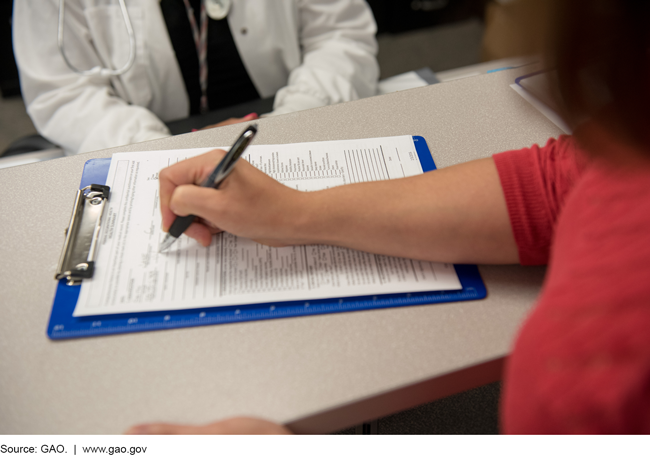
(64, 325)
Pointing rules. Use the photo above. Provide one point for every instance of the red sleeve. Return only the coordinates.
(536, 182)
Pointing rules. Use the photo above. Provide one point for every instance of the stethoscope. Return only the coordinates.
(216, 9)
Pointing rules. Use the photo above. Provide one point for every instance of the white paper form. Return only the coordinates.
(131, 276)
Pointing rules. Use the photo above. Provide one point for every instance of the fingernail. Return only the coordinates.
(195, 129)
(252, 115)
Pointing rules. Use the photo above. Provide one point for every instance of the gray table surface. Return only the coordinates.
(316, 373)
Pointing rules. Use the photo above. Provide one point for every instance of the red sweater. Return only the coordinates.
(581, 361)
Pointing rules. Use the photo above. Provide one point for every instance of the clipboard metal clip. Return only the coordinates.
(77, 260)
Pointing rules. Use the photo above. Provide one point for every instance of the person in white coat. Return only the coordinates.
(309, 53)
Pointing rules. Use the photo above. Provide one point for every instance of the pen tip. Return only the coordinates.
(166, 243)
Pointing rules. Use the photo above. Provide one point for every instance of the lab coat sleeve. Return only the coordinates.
(338, 56)
(78, 113)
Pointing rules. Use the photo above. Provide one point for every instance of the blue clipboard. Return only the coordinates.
(63, 325)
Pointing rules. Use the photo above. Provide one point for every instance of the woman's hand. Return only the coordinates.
(248, 203)
(233, 426)
(457, 214)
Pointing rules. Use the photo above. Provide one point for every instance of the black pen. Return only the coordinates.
(220, 173)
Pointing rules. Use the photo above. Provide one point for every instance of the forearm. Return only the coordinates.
(339, 51)
(100, 121)
(79, 113)
(457, 214)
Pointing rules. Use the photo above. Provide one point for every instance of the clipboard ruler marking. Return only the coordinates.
(64, 325)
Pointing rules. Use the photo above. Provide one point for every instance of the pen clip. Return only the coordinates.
(228, 163)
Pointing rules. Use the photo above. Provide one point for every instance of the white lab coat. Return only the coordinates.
(310, 52)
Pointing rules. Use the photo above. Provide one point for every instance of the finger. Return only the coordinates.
(191, 197)
(223, 123)
(190, 171)
(195, 200)
(167, 217)
(200, 233)
(232, 426)
(215, 428)
(161, 429)
(246, 426)
(236, 120)
(207, 127)
(214, 229)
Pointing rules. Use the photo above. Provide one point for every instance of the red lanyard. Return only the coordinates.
(201, 42)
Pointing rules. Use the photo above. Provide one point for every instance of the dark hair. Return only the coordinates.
(601, 50)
